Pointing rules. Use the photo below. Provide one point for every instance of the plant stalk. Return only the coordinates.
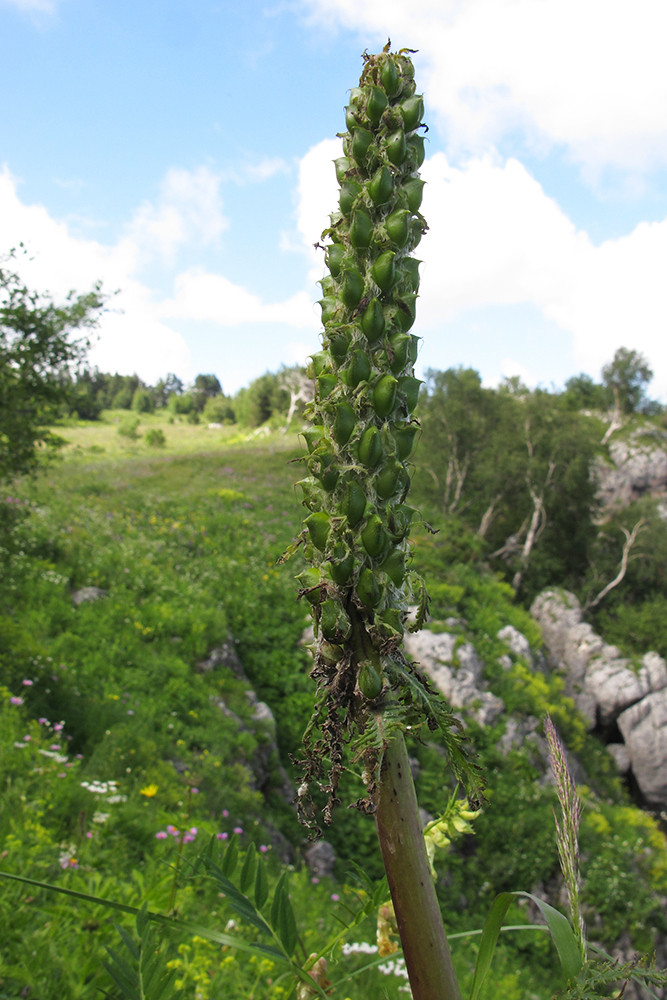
(425, 947)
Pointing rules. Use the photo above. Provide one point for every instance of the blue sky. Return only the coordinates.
(181, 153)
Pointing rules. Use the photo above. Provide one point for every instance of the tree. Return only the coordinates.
(205, 387)
(38, 350)
(627, 376)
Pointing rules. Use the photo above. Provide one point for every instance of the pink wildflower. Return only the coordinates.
(62, 775)
(57, 727)
(43, 721)
(263, 848)
(238, 829)
(54, 746)
(222, 836)
(161, 835)
(172, 830)
(188, 838)
(27, 738)
(27, 683)
(195, 791)
(15, 700)
(225, 813)
(314, 880)
(335, 897)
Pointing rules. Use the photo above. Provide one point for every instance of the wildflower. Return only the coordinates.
(314, 880)
(130, 712)
(222, 836)
(54, 746)
(335, 897)
(149, 791)
(89, 835)
(193, 831)
(27, 683)
(58, 727)
(225, 813)
(27, 738)
(188, 838)
(161, 835)
(100, 817)
(263, 848)
(195, 791)
(63, 775)
(172, 830)
(238, 829)
(43, 721)
(15, 700)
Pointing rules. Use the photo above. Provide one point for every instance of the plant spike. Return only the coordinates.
(358, 583)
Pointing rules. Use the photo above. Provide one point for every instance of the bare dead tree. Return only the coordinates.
(511, 545)
(537, 525)
(630, 539)
(488, 515)
(616, 417)
(301, 390)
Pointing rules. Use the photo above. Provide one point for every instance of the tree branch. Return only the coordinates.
(630, 539)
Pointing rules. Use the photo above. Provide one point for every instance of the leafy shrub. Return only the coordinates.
(128, 428)
(142, 401)
(155, 438)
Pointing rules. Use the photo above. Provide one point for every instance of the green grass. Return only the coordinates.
(185, 541)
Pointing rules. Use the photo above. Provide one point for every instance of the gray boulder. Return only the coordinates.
(638, 466)
(517, 642)
(457, 673)
(321, 859)
(607, 689)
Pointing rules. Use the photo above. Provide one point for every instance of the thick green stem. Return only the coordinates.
(425, 948)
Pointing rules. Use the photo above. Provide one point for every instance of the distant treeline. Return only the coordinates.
(271, 396)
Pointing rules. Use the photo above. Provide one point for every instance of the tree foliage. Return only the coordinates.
(38, 348)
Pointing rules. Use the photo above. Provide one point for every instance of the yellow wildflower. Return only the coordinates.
(149, 791)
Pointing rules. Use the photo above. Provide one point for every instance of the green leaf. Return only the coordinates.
(240, 903)
(287, 931)
(186, 926)
(248, 871)
(231, 857)
(561, 932)
(261, 885)
(275, 904)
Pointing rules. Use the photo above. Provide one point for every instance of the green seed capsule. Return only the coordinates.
(361, 141)
(390, 78)
(328, 285)
(331, 653)
(383, 271)
(312, 493)
(394, 567)
(386, 482)
(319, 526)
(396, 147)
(356, 95)
(416, 232)
(416, 149)
(409, 388)
(399, 521)
(319, 362)
(408, 273)
(359, 369)
(412, 112)
(372, 321)
(400, 345)
(361, 230)
(313, 436)
(329, 309)
(334, 257)
(341, 567)
(384, 395)
(381, 186)
(391, 618)
(398, 226)
(339, 345)
(369, 590)
(369, 681)
(404, 316)
(370, 447)
(329, 478)
(342, 165)
(334, 622)
(349, 192)
(345, 421)
(326, 384)
(414, 189)
(351, 121)
(308, 579)
(353, 504)
(376, 104)
(405, 441)
(352, 287)
(374, 538)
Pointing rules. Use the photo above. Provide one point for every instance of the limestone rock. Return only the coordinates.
(638, 466)
(321, 859)
(461, 684)
(88, 594)
(644, 729)
(517, 642)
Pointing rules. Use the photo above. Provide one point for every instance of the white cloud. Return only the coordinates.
(587, 74)
(135, 334)
(317, 193)
(189, 209)
(497, 239)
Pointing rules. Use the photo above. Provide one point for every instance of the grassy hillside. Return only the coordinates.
(184, 540)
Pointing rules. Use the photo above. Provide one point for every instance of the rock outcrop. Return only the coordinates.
(613, 695)
(456, 671)
(638, 466)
